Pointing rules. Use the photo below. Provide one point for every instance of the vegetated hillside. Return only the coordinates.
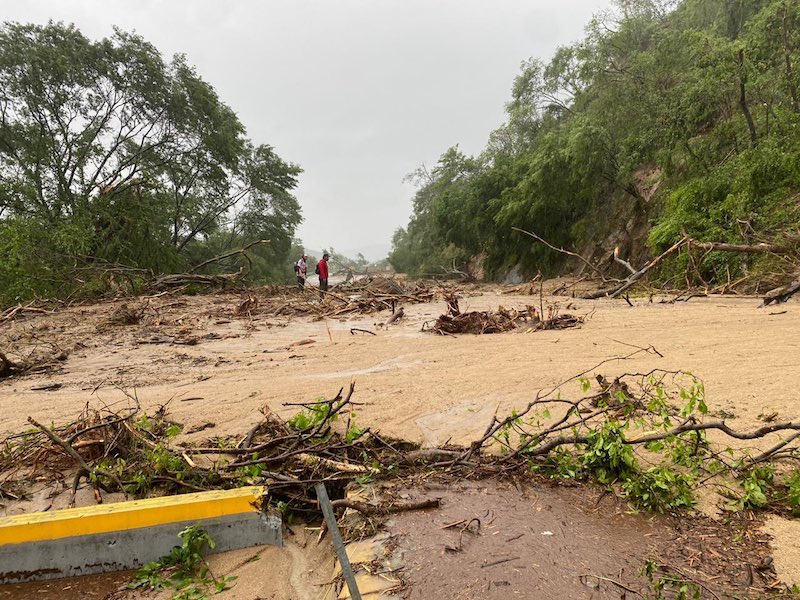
(115, 162)
(666, 118)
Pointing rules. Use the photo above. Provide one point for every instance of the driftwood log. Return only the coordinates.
(781, 294)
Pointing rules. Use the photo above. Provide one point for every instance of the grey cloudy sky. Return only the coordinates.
(357, 92)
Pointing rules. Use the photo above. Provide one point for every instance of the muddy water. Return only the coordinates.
(72, 588)
(543, 543)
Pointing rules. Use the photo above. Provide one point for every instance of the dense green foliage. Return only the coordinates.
(109, 155)
(684, 114)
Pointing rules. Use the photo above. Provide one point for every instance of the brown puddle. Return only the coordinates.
(100, 586)
(560, 542)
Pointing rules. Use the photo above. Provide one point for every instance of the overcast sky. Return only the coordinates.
(357, 92)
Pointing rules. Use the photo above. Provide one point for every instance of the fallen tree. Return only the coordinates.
(787, 251)
(781, 294)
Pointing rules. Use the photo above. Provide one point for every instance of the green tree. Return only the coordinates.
(681, 116)
(114, 155)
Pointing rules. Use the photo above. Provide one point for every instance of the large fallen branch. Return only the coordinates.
(183, 279)
(743, 248)
(781, 294)
(15, 311)
(192, 277)
(563, 251)
(637, 275)
(240, 252)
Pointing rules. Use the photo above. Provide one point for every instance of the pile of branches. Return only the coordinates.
(645, 434)
(114, 452)
(361, 297)
(479, 322)
(133, 453)
(38, 361)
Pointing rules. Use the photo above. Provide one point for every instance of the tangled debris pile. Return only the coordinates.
(480, 322)
(39, 360)
(595, 434)
(134, 453)
(362, 296)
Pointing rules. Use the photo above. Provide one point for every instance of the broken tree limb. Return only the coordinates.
(562, 251)
(84, 467)
(240, 252)
(222, 279)
(623, 262)
(398, 314)
(385, 509)
(465, 276)
(781, 294)
(337, 465)
(11, 313)
(182, 279)
(745, 248)
(630, 281)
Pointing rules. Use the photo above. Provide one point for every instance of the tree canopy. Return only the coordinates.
(676, 116)
(111, 155)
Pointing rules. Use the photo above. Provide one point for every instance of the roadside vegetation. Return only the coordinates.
(117, 165)
(668, 118)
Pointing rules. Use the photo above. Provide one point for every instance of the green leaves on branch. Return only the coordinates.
(645, 437)
(184, 569)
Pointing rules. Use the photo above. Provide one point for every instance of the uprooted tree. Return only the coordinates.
(113, 160)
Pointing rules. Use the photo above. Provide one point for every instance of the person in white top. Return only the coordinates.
(300, 270)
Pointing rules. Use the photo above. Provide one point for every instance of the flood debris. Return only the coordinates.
(20, 310)
(359, 297)
(499, 321)
(39, 360)
(125, 314)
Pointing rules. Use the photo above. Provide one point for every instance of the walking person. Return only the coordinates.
(300, 270)
(322, 271)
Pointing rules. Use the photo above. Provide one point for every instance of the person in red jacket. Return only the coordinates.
(322, 270)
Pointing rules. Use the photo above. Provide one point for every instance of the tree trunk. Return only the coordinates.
(743, 101)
